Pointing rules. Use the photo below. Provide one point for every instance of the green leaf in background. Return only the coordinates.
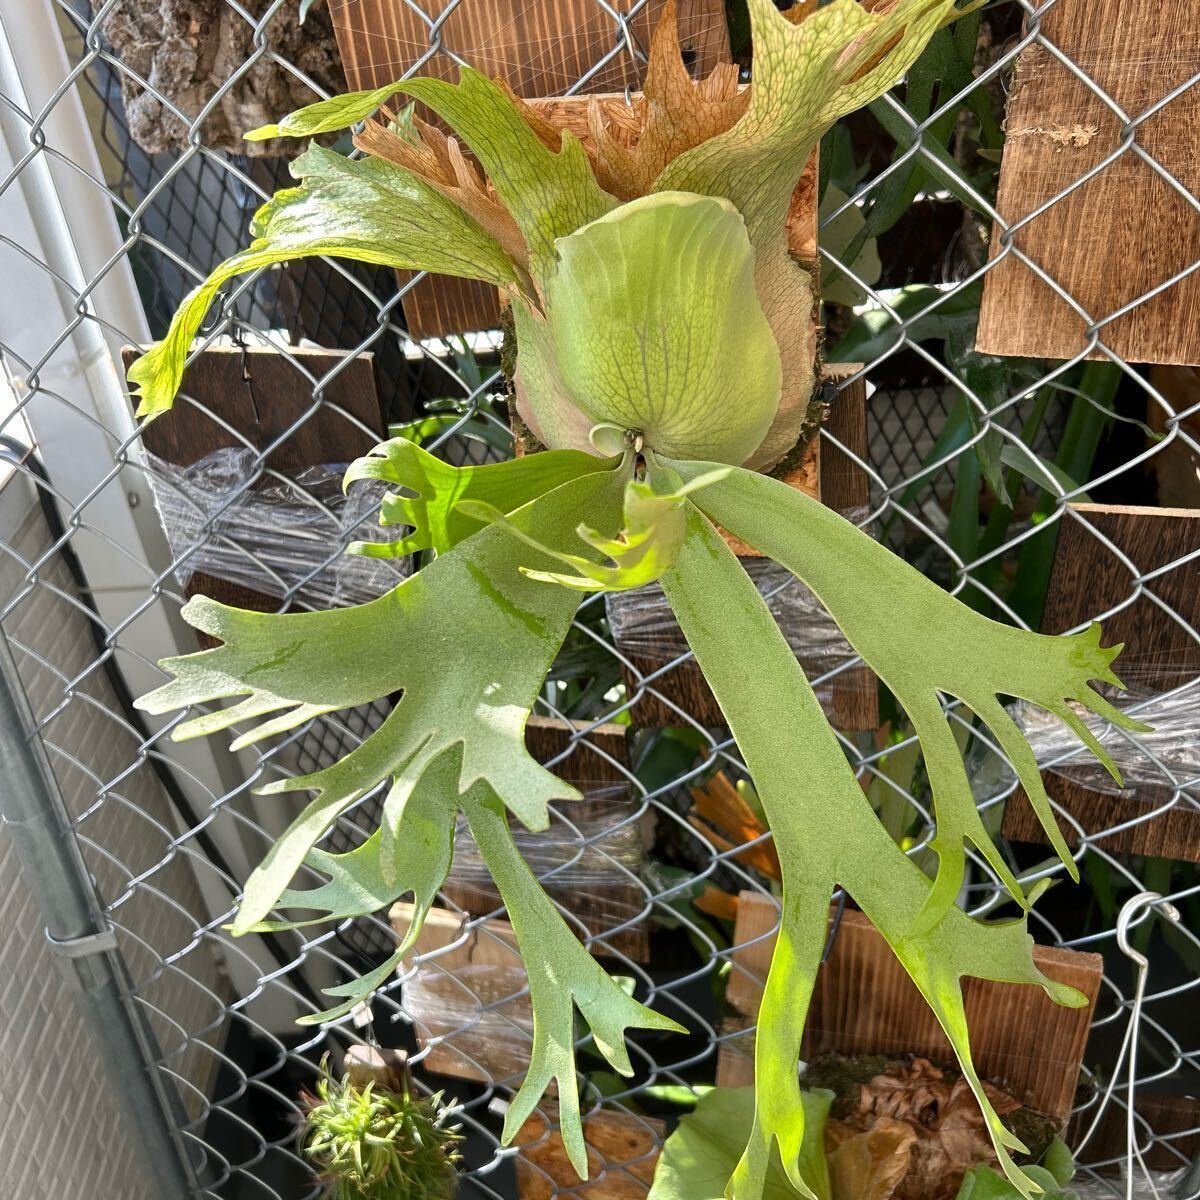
(825, 831)
(982, 1183)
(646, 303)
(699, 1158)
(840, 238)
(927, 313)
(366, 210)
(434, 490)
(893, 625)
(505, 630)
(562, 976)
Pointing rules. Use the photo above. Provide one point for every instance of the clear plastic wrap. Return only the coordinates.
(644, 628)
(284, 539)
(589, 861)
(1172, 745)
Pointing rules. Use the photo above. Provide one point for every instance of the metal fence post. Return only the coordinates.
(77, 929)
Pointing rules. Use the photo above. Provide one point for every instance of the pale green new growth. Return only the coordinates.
(644, 309)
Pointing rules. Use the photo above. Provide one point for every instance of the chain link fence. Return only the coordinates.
(117, 195)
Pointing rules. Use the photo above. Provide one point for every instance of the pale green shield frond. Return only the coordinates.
(647, 545)
(827, 834)
(658, 327)
(806, 76)
(921, 642)
(367, 210)
(433, 489)
(549, 194)
(505, 630)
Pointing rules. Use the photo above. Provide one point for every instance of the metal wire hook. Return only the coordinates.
(239, 340)
(1132, 911)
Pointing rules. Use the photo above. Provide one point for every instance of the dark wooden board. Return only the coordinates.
(865, 1003)
(1173, 1120)
(1127, 229)
(839, 482)
(594, 765)
(540, 48)
(1088, 578)
(219, 409)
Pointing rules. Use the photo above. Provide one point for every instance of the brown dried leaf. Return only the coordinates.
(869, 1165)
(674, 114)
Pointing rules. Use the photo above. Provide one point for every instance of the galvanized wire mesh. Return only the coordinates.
(168, 840)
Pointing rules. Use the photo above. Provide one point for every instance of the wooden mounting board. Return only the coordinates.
(594, 765)
(540, 48)
(622, 1154)
(833, 477)
(218, 409)
(865, 1003)
(1159, 654)
(1126, 230)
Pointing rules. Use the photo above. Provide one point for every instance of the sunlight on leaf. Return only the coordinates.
(644, 309)
(648, 544)
(366, 210)
(894, 623)
(505, 630)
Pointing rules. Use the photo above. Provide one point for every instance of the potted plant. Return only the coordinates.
(665, 358)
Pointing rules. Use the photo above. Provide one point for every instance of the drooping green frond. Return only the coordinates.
(826, 834)
(562, 976)
(468, 640)
(921, 642)
(548, 194)
(806, 76)
(367, 210)
(658, 327)
(437, 488)
(655, 524)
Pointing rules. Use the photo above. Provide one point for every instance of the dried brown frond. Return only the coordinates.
(722, 815)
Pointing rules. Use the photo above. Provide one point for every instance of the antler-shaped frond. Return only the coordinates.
(922, 642)
(826, 834)
(467, 640)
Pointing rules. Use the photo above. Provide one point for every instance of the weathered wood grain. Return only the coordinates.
(622, 1154)
(1160, 653)
(864, 1003)
(1126, 230)
(833, 476)
(540, 48)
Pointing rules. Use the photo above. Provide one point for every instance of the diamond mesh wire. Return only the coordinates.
(216, 1004)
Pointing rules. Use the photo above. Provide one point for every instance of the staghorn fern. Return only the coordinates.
(666, 358)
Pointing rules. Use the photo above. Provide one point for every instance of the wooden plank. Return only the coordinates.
(1173, 1120)
(219, 408)
(1089, 578)
(597, 763)
(469, 996)
(1126, 230)
(540, 48)
(864, 1003)
(851, 698)
(622, 1151)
